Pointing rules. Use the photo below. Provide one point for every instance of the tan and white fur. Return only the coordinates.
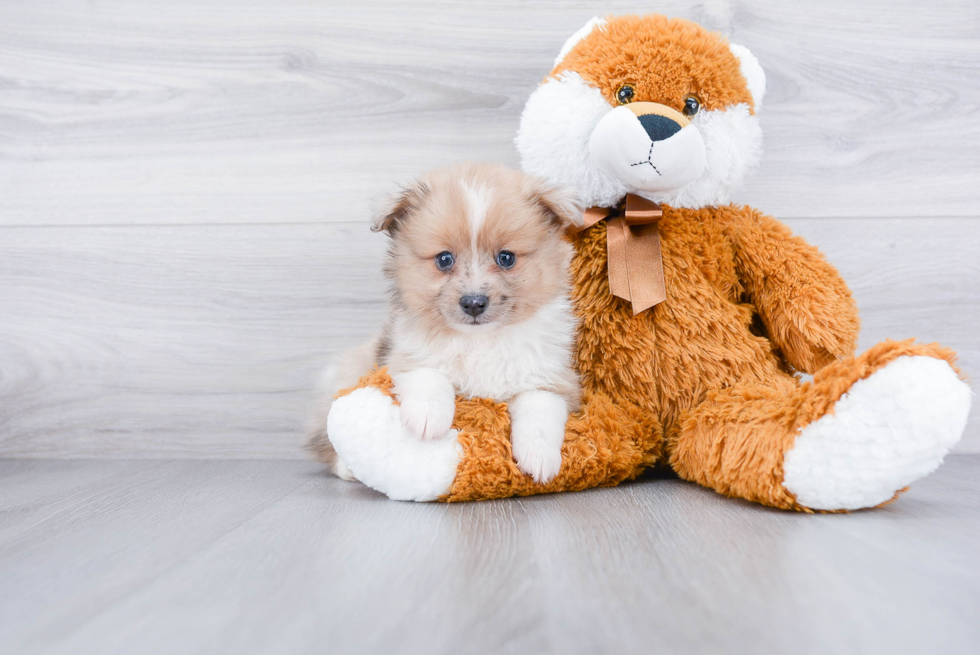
(496, 322)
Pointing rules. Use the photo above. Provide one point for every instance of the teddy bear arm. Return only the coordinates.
(805, 305)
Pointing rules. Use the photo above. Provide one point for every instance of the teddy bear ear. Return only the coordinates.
(398, 206)
(578, 36)
(754, 75)
(561, 204)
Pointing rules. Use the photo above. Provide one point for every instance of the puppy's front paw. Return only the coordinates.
(427, 402)
(427, 417)
(537, 432)
(535, 455)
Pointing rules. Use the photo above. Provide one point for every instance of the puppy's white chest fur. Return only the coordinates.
(492, 363)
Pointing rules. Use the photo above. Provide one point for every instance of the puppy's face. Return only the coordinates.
(477, 246)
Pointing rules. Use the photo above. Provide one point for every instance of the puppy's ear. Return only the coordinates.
(561, 205)
(398, 207)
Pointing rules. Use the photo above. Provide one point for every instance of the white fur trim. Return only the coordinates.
(586, 29)
(733, 147)
(366, 430)
(556, 130)
(427, 400)
(752, 70)
(622, 149)
(553, 138)
(537, 420)
(887, 431)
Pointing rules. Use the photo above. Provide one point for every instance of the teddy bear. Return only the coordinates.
(698, 319)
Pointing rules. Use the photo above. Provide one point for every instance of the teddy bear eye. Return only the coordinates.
(625, 94)
(691, 105)
(445, 260)
(506, 259)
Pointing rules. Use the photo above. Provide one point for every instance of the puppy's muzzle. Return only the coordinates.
(473, 304)
(649, 147)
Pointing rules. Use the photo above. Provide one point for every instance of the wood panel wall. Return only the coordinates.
(184, 187)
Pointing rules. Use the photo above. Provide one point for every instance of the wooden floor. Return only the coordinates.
(275, 557)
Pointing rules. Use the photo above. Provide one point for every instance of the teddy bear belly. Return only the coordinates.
(667, 359)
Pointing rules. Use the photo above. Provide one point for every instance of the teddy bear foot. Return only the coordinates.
(887, 431)
(366, 429)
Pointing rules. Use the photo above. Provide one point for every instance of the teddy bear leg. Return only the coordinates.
(858, 434)
(605, 443)
(734, 443)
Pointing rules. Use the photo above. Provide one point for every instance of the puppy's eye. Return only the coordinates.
(445, 260)
(691, 105)
(506, 259)
(625, 94)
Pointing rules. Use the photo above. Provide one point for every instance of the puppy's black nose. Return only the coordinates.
(659, 127)
(473, 304)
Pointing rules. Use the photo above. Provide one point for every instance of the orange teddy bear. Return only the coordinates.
(696, 316)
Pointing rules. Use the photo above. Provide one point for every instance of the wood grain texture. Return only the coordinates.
(172, 341)
(274, 557)
(223, 111)
(183, 187)
(178, 341)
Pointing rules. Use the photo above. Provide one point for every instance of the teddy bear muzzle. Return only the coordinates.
(649, 147)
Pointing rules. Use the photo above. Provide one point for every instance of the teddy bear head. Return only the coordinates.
(657, 107)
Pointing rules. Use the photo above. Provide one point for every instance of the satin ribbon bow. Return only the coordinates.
(636, 268)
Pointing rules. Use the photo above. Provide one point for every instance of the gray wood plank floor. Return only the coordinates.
(276, 557)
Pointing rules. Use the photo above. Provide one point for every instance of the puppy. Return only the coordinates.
(479, 291)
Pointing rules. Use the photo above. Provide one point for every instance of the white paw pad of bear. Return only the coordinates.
(887, 431)
(367, 432)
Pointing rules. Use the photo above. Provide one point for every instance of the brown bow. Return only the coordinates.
(636, 267)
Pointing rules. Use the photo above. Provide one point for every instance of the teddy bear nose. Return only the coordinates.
(473, 304)
(659, 121)
(659, 127)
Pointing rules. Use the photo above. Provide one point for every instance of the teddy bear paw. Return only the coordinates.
(367, 432)
(887, 431)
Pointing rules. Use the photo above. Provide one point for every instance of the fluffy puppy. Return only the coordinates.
(479, 289)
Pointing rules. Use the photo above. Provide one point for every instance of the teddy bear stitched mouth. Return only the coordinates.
(649, 155)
